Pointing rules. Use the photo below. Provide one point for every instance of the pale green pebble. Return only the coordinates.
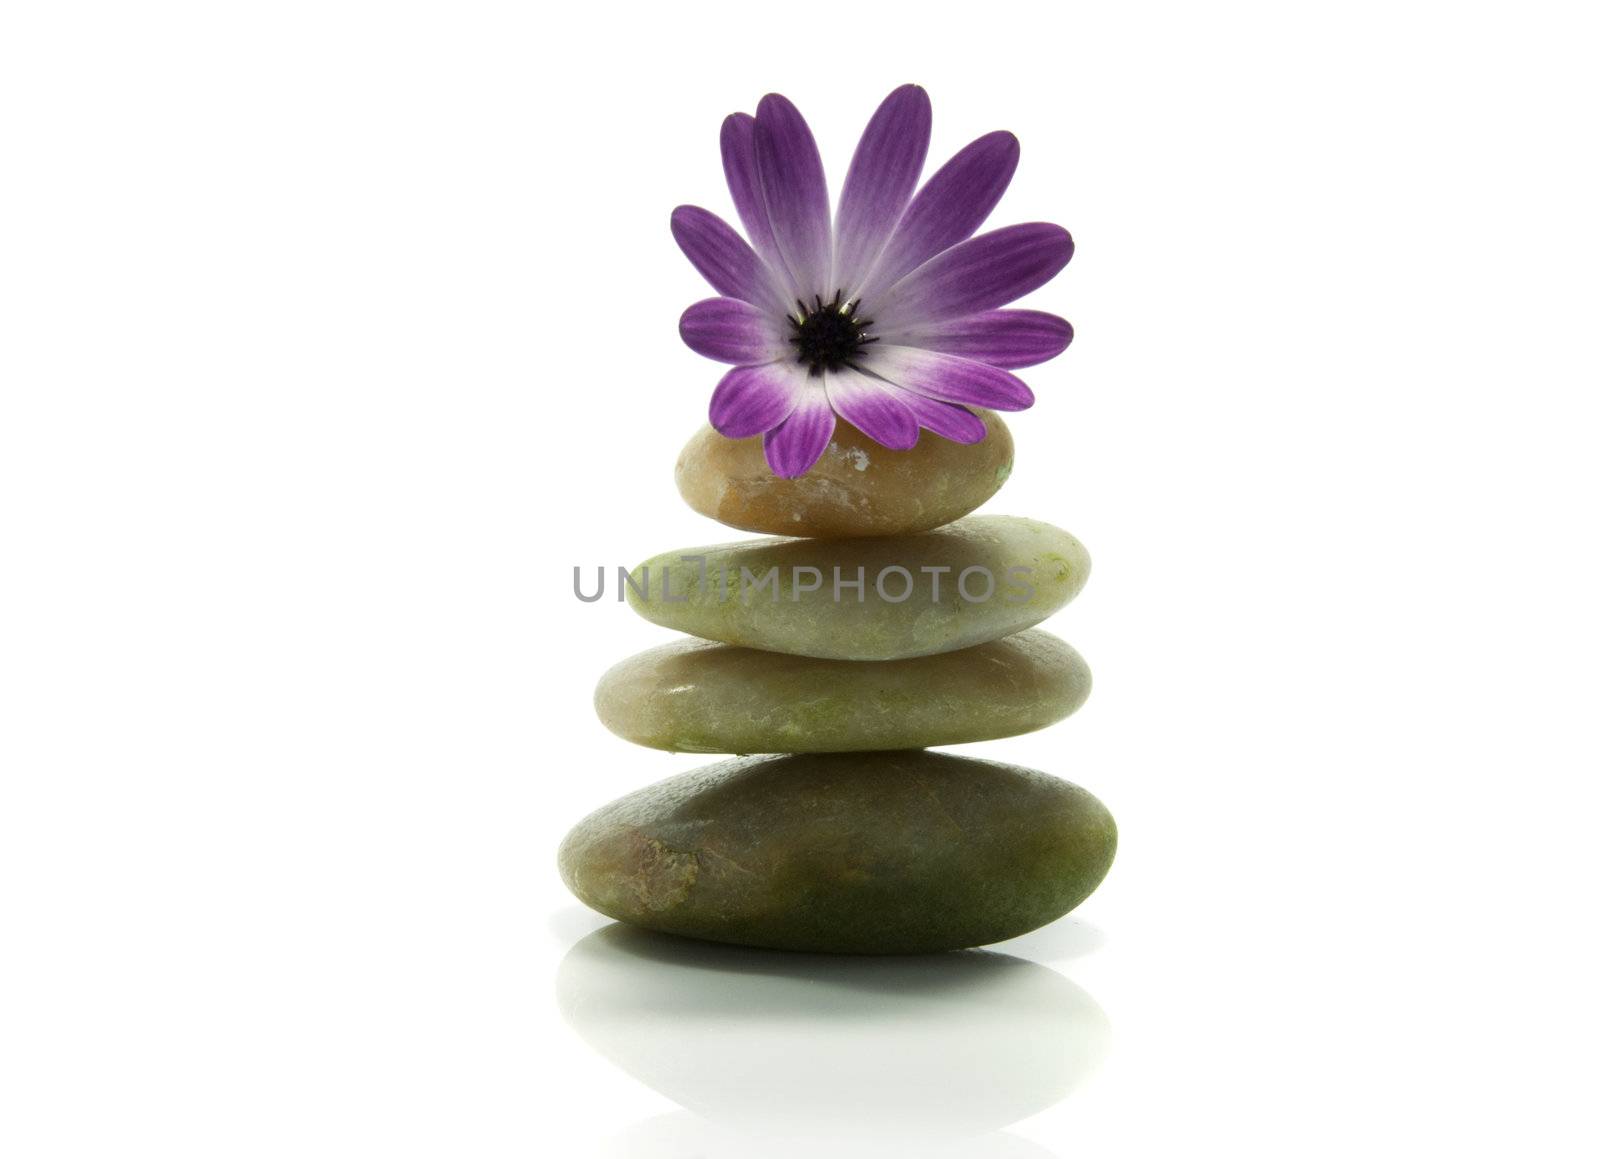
(1036, 569)
(694, 696)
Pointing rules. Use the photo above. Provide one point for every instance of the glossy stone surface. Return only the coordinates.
(857, 487)
(865, 853)
(797, 595)
(697, 697)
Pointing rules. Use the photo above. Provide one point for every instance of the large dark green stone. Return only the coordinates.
(865, 853)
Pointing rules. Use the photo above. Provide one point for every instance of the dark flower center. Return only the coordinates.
(828, 336)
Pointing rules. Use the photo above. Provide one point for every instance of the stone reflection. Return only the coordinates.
(682, 1135)
(865, 1052)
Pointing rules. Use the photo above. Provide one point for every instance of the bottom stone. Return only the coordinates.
(856, 853)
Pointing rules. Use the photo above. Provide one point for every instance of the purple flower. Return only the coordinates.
(887, 315)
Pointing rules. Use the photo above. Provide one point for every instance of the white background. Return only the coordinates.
(332, 335)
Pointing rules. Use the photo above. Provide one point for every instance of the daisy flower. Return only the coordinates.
(884, 313)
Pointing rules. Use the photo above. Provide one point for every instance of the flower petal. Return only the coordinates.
(744, 183)
(948, 421)
(730, 330)
(873, 407)
(725, 259)
(950, 379)
(949, 209)
(752, 399)
(982, 273)
(796, 193)
(1008, 338)
(793, 447)
(883, 174)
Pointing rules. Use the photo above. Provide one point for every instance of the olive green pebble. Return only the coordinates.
(887, 598)
(697, 697)
(859, 853)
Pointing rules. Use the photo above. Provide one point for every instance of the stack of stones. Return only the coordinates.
(883, 621)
